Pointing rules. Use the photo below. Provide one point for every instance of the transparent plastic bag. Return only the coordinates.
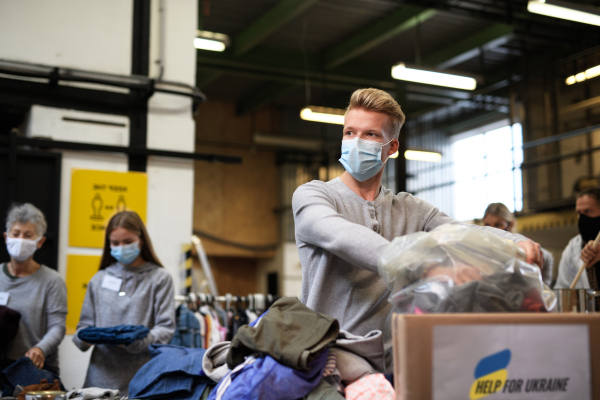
(459, 268)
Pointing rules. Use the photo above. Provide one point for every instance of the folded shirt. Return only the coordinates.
(114, 335)
(290, 332)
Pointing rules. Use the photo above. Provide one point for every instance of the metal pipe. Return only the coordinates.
(55, 74)
(561, 136)
(56, 144)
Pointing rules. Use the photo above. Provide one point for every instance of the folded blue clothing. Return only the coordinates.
(173, 371)
(120, 334)
(267, 379)
(23, 373)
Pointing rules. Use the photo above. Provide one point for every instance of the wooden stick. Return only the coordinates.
(584, 264)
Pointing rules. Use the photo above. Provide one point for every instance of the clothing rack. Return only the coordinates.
(255, 301)
(203, 320)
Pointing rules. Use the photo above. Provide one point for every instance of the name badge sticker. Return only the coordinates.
(4, 298)
(111, 283)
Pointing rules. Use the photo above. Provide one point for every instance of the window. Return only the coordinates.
(486, 169)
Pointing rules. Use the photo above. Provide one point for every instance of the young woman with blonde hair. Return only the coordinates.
(131, 288)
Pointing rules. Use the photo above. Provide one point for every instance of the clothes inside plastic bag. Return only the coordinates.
(458, 268)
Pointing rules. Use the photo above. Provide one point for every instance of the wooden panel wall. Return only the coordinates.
(235, 275)
(236, 202)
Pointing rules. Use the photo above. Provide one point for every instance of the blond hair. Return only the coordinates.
(379, 101)
(499, 210)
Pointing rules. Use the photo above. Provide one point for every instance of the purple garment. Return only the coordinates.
(266, 379)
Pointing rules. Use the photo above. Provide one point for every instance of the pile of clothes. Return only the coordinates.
(289, 353)
(23, 376)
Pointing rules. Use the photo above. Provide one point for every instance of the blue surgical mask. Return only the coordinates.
(362, 158)
(127, 253)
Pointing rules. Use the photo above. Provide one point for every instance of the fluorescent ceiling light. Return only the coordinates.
(323, 114)
(563, 10)
(212, 41)
(403, 73)
(420, 155)
(207, 44)
(582, 76)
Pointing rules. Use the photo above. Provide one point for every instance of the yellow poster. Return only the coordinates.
(80, 269)
(96, 196)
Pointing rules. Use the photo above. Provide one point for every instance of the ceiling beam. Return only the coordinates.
(263, 96)
(491, 37)
(344, 83)
(267, 24)
(283, 68)
(390, 26)
(561, 32)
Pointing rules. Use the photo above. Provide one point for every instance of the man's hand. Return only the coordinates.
(589, 254)
(460, 274)
(37, 356)
(533, 252)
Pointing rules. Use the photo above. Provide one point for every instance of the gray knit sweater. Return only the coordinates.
(149, 300)
(41, 298)
(340, 237)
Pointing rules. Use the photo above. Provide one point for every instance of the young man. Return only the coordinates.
(343, 226)
(574, 255)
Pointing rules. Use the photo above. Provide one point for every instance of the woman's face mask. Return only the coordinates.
(362, 158)
(127, 253)
(21, 249)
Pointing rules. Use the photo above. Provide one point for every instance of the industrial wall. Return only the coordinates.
(236, 205)
(97, 36)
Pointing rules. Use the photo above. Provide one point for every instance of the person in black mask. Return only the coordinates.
(580, 248)
(497, 215)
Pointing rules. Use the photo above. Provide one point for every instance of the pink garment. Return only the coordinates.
(371, 387)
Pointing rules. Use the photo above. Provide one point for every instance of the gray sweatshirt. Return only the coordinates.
(340, 237)
(41, 298)
(149, 300)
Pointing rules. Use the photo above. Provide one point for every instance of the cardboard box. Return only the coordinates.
(413, 344)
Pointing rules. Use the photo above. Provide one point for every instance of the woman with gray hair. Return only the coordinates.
(37, 292)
